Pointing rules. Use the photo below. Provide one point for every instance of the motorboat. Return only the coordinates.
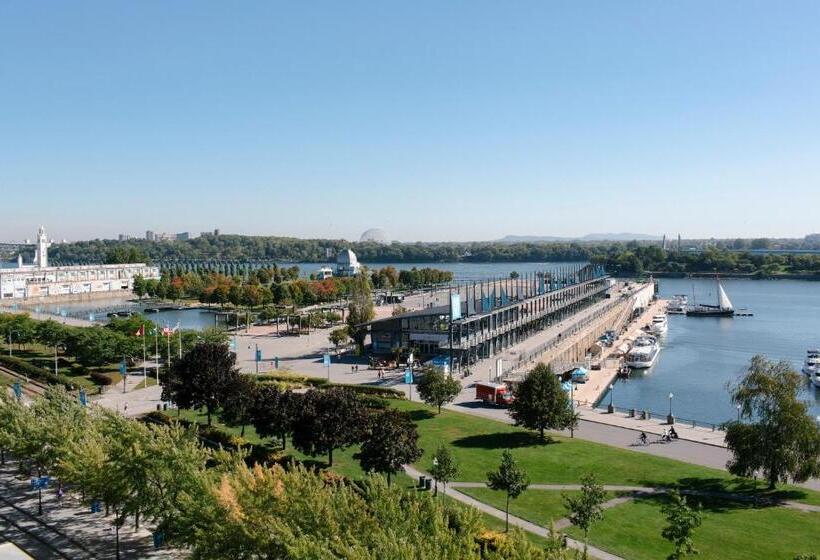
(724, 307)
(811, 365)
(658, 325)
(644, 352)
(677, 305)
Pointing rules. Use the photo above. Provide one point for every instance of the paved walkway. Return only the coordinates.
(514, 520)
(65, 530)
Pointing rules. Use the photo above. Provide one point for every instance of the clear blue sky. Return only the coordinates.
(434, 120)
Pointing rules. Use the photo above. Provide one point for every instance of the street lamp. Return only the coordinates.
(738, 413)
(670, 419)
(611, 408)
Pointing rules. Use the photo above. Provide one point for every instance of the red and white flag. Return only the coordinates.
(167, 331)
(140, 331)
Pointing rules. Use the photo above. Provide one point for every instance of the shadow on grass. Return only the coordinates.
(726, 494)
(503, 440)
(418, 415)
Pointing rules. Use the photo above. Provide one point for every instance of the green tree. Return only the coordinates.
(275, 412)
(437, 389)
(777, 436)
(587, 507)
(540, 403)
(140, 288)
(338, 336)
(510, 479)
(682, 521)
(445, 467)
(360, 310)
(201, 378)
(238, 402)
(328, 420)
(390, 442)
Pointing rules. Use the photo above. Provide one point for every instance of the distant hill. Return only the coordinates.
(588, 237)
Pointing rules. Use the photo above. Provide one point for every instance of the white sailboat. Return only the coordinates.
(724, 307)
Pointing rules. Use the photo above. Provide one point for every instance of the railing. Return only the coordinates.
(647, 414)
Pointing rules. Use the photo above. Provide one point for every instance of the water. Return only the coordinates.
(196, 319)
(700, 355)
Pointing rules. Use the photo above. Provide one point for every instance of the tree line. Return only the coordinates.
(212, 503)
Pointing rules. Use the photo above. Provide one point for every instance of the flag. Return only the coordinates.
(140, 331)
(167, 331)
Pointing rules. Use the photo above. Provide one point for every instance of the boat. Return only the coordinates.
(677, 305)
(658, 325)
(723, 308)
(150, 310)
(644, 352)
(811, 365)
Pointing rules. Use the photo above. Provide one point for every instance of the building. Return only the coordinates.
(487, 318)
(347, 264)
(324, 273)
(184, 236)
(150, 235)
(39, 280)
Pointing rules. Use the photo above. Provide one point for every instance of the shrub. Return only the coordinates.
(103, 379)
(23, 367)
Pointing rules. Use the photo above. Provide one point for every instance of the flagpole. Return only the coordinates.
(179, 330)
(144, 366)
(156, 349)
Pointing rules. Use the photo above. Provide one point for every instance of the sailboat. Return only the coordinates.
(723, 308)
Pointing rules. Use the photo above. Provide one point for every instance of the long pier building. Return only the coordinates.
(486, 318)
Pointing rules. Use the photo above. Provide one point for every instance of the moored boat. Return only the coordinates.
(677, 305)
(811, 365)
(643, 353)
(724, 307)
(659, 325)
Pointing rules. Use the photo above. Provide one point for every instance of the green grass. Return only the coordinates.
(148, 382)
(537, 506)
(478, 442)
(730, 531)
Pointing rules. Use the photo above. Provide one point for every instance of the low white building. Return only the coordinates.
(39, 280)
(347, 264)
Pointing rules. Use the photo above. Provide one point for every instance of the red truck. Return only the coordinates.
(494, 393)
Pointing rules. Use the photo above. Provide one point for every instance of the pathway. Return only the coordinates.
(514, 520)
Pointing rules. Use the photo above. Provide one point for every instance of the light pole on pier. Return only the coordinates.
(670, 419)
(611, 408)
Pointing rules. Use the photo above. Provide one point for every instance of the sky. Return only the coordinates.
(432, 120)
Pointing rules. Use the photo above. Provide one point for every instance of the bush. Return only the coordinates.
(23, 367)
(384, 392)
(103, 379)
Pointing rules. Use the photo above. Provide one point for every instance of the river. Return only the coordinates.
(701, 355)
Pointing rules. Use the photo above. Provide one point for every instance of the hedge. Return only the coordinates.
(23, 367)
(321, 383)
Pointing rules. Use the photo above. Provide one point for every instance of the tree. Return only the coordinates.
(360, 310)
(201, 378)
(445, 467)
(140, 288)
(328, 420)
(682, 521)
(238, 402)
(778, 435)
(275, 412)
(587, 507)
(390, 441)
(510, 479)
(540, 403)
(338, 336)
(437, 389)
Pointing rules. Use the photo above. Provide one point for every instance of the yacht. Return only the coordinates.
(677, 305)
(816, 379)
(644, 352)
(724, 307)
(811, 365)
(658, 325)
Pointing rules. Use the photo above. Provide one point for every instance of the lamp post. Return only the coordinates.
(611, 408)
(670, 419)
(738, 413)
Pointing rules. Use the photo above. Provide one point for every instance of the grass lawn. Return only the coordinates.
(477, 444)
(730, 531)
(538, 506)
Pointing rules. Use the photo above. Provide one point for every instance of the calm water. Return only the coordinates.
(701, 355)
